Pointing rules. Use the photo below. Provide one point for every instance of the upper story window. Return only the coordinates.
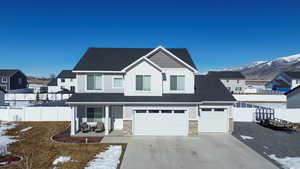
(143, 82)
(118, 82)
(4, 79)
(94, 82)
(63, 80)
(177, 82)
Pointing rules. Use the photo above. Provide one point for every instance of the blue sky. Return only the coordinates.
(44, 37)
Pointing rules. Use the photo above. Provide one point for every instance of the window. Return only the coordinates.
(238, 81)
(141, 111)
(227, 81)
(178, 111)
(4, 79)
(3, 87)
(95, 114)
(118, 82)
(73, 89)
(238, 89)
(94, 82)
(143, 83)
(177, 82)
(166, 111)
(206, 109)
(219, 109)
(20, 81)
(153, 111)
(63, 80)
(297, 81)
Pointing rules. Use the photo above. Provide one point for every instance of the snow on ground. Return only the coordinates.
(25, 129)
(287, 162)
(247, 137)
(5, 140)
(106, 160)
(61, 159)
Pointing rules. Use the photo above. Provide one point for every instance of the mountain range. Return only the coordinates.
(267, 70)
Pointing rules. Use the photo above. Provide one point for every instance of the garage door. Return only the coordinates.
(213, 120)
(160, 122)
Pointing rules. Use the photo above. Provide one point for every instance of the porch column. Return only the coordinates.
(106, 120)
(73, 120)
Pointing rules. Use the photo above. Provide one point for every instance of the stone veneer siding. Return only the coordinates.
(193, 127)
(127, 127)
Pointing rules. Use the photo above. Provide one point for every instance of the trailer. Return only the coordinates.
(266, 118)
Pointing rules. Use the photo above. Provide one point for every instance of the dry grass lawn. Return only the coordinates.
(37, 148)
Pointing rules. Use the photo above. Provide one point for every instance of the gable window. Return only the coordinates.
(95, 114)
(4, 79)
(143, 82)
(177, 82)
(94, 82)
(118, 82)
(63, 80)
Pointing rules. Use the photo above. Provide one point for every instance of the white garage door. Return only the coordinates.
(213, 120)
(160, 122)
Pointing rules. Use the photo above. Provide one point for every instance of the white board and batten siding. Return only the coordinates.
(36, 114)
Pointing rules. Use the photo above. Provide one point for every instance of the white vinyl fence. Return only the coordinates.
(248, 114)
(36, 114)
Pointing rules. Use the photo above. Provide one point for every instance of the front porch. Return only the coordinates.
(93, 116)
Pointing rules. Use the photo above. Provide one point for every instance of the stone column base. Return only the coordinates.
(193, 127)
(127, 127)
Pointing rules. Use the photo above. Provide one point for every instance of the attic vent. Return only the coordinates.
(164, 76)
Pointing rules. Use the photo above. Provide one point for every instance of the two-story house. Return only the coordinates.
(285, 81)
(234, 81)
(12, 79)
(66, 80)
(146, 91)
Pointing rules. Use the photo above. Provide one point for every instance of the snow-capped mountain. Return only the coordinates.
(266, 70)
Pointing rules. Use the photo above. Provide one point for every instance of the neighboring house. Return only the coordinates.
(234, 81)
(66, 80)
(146, 91)
(284, 81)
(2, 97)
(293, 98)
(12, 79)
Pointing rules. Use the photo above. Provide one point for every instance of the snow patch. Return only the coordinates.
(6, 140)
(25, 129)
(61, 159)
(287, 162)
(247, 137)
(106, 160)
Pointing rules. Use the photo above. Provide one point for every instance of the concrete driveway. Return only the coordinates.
(208, 151)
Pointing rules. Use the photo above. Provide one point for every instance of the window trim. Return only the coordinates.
(113, 82)
(184, 87)
(4, 81)
(93, 90)
(143, 91)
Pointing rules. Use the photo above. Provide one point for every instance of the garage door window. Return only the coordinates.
(178, 111)
(219, 109)
(141, 111)
(206, 109)
(153, 111)
(166, 111)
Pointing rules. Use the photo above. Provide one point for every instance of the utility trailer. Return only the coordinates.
(266, 118)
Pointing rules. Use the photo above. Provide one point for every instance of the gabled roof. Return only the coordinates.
(53, 82)
(281, 84)
(226, 74)
(8, 72)
(295, 90)
(66, 74)
(116, 59)
(206, 89)
(293, 75)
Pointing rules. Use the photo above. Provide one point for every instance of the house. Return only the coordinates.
(293, 98)
(12, 79)
(284, 81)
(234, 81)
(2, 97)
(66, 80)
(146, 91)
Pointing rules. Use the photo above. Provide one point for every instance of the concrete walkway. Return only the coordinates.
(208, 151)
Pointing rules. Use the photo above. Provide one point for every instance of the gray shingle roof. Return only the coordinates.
(115, 59)
(281, 84)
(53, 82)
(8, 72)
(207, 89)
(66, 74)
(295, 90)
(226, 74)
(293, 75)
